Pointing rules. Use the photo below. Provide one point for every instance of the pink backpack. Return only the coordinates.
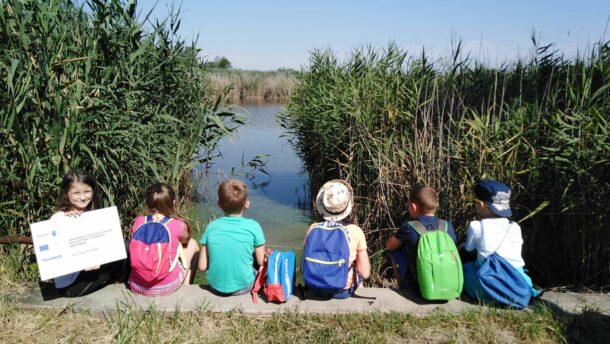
(150, 251)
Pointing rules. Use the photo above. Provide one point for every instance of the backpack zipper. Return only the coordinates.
(325, 262)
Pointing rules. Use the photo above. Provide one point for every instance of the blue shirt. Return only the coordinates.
(408, 236)
(65, 280)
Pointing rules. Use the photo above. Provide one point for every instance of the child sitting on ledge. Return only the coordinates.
(231, 243)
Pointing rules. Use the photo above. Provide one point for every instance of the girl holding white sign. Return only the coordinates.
(79, 194)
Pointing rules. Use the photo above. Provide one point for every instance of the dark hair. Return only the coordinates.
(425, 198)
(232, 196)
(77, 176)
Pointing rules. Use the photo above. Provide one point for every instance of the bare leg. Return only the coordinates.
(191, 255)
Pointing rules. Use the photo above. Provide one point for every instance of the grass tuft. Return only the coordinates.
(22, 324)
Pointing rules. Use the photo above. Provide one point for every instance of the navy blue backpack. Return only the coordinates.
(502, 282)
(326, 256)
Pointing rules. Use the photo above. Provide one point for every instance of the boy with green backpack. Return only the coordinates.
(424, 252)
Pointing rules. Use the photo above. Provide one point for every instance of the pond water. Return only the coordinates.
(280, 200)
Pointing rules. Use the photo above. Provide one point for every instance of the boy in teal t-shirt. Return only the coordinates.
(232, 243)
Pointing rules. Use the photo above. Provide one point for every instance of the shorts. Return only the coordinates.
(161, 289)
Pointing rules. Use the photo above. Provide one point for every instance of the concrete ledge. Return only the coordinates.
(194, 298)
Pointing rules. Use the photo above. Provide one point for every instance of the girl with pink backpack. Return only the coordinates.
(161, 249)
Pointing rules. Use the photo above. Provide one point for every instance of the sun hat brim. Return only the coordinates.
(325, 213)
(499, 210)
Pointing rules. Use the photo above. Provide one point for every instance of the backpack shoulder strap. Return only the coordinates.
(335, 225)
(165, 220)
(443, 225)
(510, 223)
(258, 282)
(179, 259)
(419, 228)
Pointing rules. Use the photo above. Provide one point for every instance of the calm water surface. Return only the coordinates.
(278, 200)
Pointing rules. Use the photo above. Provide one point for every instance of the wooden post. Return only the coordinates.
(16, 239)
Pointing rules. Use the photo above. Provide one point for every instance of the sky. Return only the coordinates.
(272, 34)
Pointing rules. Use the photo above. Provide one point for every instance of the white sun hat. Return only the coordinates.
(334, 200)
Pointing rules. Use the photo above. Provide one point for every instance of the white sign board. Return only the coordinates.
(71, 244)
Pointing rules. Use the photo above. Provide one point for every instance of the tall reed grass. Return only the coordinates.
(87, 86)
(386, 121)
(259, 85)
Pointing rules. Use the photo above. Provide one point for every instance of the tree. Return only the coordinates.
(219, 62)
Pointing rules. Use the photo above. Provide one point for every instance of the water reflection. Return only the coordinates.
(279, 201)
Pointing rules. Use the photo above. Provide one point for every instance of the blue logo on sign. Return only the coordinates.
(54, 233)
(43, 247)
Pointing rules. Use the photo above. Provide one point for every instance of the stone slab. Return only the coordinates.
(196, 298)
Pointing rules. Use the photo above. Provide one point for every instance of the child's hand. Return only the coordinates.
(268, 252)
(97, 267)
(73, 213)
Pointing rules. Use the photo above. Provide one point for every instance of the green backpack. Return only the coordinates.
(439, 268)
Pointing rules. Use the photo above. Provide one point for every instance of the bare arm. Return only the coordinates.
(363, 266)
(259, 253)
(392, 243)
(307, 232)
(186, 234)
(203, 258)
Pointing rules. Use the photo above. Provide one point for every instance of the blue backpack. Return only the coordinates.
(326, 256)
(502, 282)
(276, 277)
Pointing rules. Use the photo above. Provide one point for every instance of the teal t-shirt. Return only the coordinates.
(230, 242)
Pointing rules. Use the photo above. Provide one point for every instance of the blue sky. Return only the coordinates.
(270, 34)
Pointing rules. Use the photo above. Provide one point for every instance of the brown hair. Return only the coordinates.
(77, 176)
(160, 199)
(425, 198)
(232, 196)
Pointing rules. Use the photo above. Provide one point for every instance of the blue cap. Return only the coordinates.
(496, 195)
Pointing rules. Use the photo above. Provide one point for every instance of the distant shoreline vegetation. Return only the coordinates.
(250, 84)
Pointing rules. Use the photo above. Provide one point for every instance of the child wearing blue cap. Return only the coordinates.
(493, 233)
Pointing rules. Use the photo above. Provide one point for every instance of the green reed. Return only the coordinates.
(386, 121)
(245, 84)
(93, 87)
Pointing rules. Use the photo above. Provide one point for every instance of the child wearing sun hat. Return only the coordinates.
(494, 232)
(335, 258)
